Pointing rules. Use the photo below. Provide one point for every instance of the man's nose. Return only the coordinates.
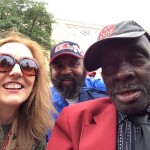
(16, 71)
(124, 72)
(66, 70)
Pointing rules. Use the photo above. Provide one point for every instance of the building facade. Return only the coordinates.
(82, 33)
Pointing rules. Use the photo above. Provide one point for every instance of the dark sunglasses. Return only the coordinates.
(29, 66)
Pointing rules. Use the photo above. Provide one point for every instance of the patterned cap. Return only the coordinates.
(66, 48)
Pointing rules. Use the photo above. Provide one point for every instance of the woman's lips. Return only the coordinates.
(128, 96)
(12, 85)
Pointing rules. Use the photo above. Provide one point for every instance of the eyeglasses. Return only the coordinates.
(29, 66)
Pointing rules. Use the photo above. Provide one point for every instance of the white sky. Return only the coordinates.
(102, 12)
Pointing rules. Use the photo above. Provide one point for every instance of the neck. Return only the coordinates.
(7, 114)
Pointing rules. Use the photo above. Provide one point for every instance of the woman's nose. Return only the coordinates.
(16, 71)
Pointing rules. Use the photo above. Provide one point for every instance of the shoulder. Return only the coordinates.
(56, 96)
(83, 113)
(92, 107)
(97, 93)
(92, 89)
(53, 89)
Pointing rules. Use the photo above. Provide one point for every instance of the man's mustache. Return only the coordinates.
(61, 78)
(130, 85)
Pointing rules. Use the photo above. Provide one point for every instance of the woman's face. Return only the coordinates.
(15, 86)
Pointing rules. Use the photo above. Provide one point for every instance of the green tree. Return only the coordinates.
(28, 17)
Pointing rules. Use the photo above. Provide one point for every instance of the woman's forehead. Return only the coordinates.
(16, 49)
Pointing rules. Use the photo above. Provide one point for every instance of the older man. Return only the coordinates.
(120, 122)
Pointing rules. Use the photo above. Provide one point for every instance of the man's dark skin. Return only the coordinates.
(121, 121)
(126, 73)
(68, 75)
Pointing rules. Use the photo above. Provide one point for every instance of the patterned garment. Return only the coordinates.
(8, 139)
(3, 132)
(127, 132)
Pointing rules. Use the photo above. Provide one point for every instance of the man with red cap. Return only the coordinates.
(68, 77)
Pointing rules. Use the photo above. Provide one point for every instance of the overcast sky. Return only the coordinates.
(101, 12)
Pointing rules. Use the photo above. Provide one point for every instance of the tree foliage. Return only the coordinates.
(28, 17)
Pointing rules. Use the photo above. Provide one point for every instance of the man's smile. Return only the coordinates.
(67, 81)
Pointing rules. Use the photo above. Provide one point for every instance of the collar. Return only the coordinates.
(122, 116)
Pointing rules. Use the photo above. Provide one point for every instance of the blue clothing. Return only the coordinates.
(95, 83)
(87, 93)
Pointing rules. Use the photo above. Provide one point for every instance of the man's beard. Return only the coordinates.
(69, 91)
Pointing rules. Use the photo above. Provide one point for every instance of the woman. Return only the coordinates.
(24, 95)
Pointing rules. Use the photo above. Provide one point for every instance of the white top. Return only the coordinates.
(72, 101)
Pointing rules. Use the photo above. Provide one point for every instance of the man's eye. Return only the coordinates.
(110, 68)
(57, 66)
(138, 59)
(74, 64)
(139, 56)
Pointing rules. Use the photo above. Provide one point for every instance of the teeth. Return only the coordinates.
(12, 86)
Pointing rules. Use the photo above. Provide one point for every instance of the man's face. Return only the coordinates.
(126, 73)
(68, 74)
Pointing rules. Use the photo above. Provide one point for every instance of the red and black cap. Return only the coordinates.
(123, 30)
(65, 48)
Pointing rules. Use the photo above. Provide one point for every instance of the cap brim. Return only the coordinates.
(91, 58)
(66, 53)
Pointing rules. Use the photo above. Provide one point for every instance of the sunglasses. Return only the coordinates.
(29, 66)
